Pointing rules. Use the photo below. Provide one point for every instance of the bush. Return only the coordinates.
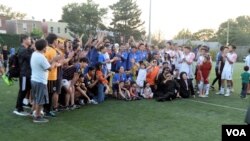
(10, 40)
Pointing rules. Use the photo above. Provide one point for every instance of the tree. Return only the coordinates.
(7, 11)
(126, 20)
(36, 33)
(239, 31)
(183, 34)
(84, 18)
(158, 40)
(204, 35)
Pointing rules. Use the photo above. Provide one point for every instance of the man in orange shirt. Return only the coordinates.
(152, 74)
(53, 87)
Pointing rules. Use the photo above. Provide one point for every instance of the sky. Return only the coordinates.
(168, 16)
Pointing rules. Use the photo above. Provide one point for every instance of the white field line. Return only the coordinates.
(217, 105)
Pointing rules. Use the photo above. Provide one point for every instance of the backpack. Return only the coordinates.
(14, 69)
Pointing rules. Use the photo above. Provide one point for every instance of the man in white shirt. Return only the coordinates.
(39, 79)
(247, 59)
(227, 73)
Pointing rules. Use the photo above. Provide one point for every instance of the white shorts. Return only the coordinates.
(227, 75)
(66, 83)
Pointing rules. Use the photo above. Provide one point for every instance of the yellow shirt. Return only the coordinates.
(50, 54)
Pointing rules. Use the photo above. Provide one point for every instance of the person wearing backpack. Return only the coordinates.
(24, 56)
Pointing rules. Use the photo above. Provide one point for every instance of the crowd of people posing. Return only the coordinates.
(58, 74)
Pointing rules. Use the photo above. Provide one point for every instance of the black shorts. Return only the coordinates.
(52, 86)
(59, 86)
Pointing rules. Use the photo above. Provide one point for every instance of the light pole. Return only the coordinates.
(149, 28)
(227, 32)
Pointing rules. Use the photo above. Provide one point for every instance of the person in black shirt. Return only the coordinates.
(221, 64)
(91, 82)
(186, 86)
(168, 87)
(24, 56)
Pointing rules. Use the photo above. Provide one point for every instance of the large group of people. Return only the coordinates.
(58, 74)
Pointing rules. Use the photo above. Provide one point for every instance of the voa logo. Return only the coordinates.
(236, 132)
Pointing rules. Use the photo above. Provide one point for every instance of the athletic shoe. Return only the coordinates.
(92, 101)
(34, 113)
(55, 110)
(73, 107)
(50, 114)
(6, 79)
(227, 94)
(21, 113)
(25, 101)
(218, 93)
(40, 120)
(232, 90)
(212, 88)
(81, 102)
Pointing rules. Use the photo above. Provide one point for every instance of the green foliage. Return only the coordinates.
(239, 31)
(158, 39)
(84, 18)
(126, 20)
(183, 34)
(204, 35)
(36, 33)
(7, 11)
(10, 40)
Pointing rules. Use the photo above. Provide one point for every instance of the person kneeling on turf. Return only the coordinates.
(171, 88)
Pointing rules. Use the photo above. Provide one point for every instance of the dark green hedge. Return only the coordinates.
(10, 40)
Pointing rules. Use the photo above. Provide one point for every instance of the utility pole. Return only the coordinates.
(149, 28)
(227, 32)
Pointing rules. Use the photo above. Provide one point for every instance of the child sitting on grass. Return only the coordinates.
(81, 92)
(123, 92)
(133, 92)
(147, 92)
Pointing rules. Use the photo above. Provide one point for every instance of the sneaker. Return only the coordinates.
(50, 114)
(34, 113)
(92, 101)
(81, 102)
(25, 101)
(55, 110)
(6, 79)
(227, 94)
(212, 88)
(21, 113)
(202, 96)
(40, 120)
(73, 107)
(232, 90)
(218, 93)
